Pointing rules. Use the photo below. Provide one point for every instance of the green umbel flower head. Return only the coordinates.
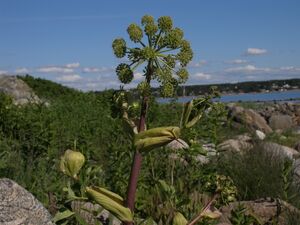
(124, 73)
(119, 47)
(162, 50)
(135, 32)
(165, 23)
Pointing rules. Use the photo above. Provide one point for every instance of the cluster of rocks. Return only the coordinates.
(18, 90)
(274, 117)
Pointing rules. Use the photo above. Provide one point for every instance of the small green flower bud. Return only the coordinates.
(183, 75)
(124, 73)
(170, 61)
(144, 88)
(147, 19)
(186, 54)
(151, 29)
(149, 53)
(174, 38)
(135, 32)
(165, 23)
(179, 219)
(134, 109)
(119, 47)
(167, 90)
(135, 54)
(71, 163)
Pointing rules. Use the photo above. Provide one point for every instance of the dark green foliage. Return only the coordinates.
(258, 174)
(33, 137)
(46, 89)
(238, 217)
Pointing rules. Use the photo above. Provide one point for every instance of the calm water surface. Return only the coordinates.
(293, 95)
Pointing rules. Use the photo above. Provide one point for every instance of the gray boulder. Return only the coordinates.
(280, 151)
(19, 207)
(249, 118)
(281, 122)
(18, 90)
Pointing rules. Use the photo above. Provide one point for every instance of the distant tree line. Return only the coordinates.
(243, 87)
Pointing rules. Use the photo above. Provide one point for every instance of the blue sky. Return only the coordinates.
(69, 41)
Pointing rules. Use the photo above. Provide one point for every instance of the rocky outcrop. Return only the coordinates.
(249, 118)
(18, 90)
(288, 110)
(19, 207)
(265, 210)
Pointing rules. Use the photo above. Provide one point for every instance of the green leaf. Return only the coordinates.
(62, 215)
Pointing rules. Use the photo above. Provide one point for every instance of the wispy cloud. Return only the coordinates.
(290, 69)
(68, 68)
(97, 69)
(55, 69)
(22, 70)
(247, 69)
(73, 65)
(201, 63)
(237, 61)
(255, 51)
(201, 76)
(69, 78)
(2, 72)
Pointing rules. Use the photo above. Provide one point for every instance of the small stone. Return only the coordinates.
(261, 135)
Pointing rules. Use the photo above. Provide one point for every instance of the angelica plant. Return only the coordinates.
(164, 54)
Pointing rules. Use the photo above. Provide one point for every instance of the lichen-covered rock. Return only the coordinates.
(281, 122)
(19, 207)
(18, 90)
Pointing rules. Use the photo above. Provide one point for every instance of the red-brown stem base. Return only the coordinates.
(136, 166)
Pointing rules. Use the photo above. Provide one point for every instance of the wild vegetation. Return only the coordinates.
(169, 186)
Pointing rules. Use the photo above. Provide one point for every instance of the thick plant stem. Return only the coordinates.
(137, 160)
(137, 163)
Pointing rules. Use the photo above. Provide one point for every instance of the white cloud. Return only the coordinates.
(55, 69)
(22, 70)
(2, 72)
(201, 76)
(69, 78)
(247, 69)
(290, 69)
(237, 61)
(199, 64)
(256, 51)
(138, 76)
(97, 69)
(72, 65)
